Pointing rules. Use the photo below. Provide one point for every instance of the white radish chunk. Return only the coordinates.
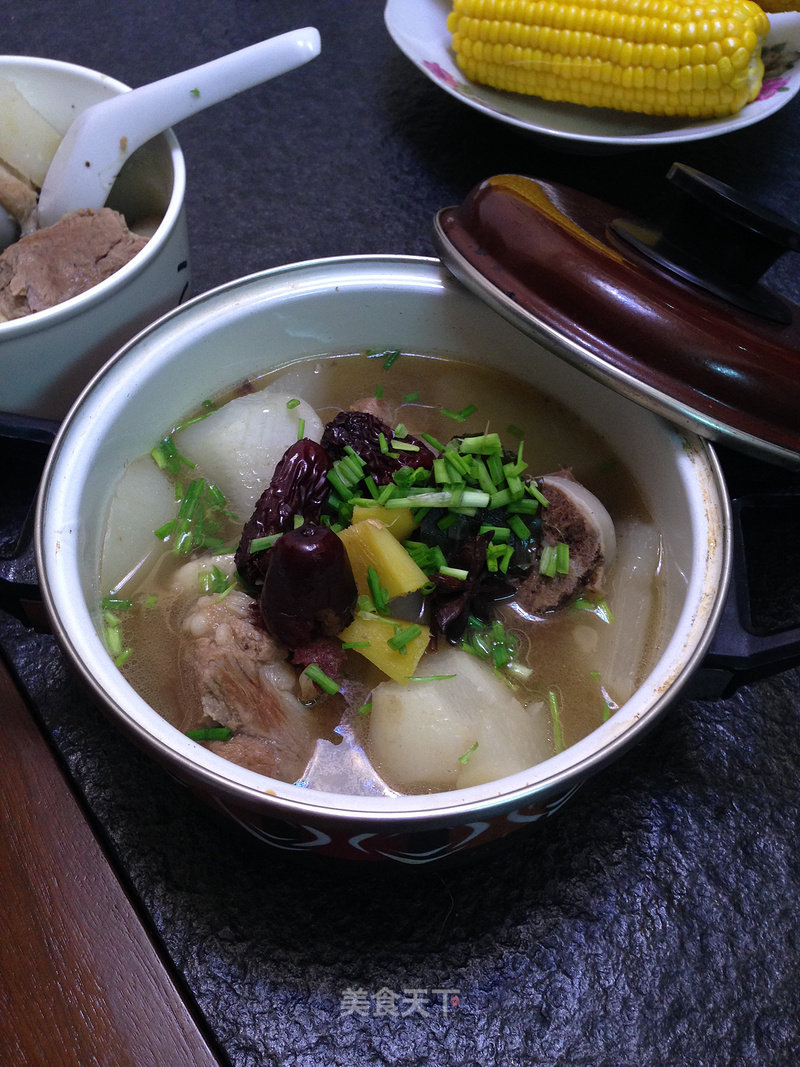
(143, 499)
(238, 446)
(27, 142)
(455, 731)
(622, 645)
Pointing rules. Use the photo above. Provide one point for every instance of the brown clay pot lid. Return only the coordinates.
(673, 315)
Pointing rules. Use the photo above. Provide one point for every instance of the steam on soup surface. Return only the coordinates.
(377, 573)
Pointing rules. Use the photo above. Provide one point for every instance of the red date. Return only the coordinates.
(309, 590)
(299, 486)
(362, 432)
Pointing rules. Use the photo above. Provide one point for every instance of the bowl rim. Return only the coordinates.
(697, 464)
(106, 289)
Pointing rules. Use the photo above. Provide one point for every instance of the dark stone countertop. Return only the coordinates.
(654, 920)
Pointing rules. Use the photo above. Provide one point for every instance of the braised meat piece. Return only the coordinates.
(243, 682)
(51, 265)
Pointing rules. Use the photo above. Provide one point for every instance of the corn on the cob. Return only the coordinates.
(659, 57)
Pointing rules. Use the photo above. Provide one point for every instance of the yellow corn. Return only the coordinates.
(658, 57)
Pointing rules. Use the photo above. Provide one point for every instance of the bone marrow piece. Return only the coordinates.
(573, 515)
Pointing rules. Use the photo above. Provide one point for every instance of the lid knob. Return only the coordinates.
(719, 240)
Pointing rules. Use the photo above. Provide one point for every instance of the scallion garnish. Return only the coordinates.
(482, 445)
(465, 758)
(168, 458)
(320, 678)
(213, 581)
(518, 527)
(431, 440)
(403, 637)
(391, 359)
(562, 558)
(113, 603)
(293, 403)
(555, 718)
(547, 562)
(454, 572)
(259, 544)
(210, 733)
(380, 598)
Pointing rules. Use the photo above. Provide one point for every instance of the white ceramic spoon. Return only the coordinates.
(98, 142)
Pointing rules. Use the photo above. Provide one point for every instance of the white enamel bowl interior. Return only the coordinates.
(343, 305)
(47, 358)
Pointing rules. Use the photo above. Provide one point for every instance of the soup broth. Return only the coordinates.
(572, 666)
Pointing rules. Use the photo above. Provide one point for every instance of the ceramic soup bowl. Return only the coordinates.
(347, 305)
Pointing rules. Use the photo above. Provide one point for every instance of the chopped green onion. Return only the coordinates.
(210, 733)
(430, 677)
(409, 398)
(518, 527)
(355, 644)
(259, 544)
(378, 393)
(562, 558)
(599, 608)
(555, 718)
(111, 603)
(320, 678)
(484, 444)
(431, 440)
(391, 359)
(454, 572)
(213, 581)
(472, 498)
(537, 494)
(547, 563)
(167, 456)
(301, 429)
(380, 597)
(500, 534)
(292, 403)
(523, 507)
(466, 756)
(151, 601)
(403, 637)
(365, 709)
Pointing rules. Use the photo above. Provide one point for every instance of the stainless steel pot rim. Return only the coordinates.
(74, 626)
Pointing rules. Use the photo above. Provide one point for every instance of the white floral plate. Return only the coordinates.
(419, 29)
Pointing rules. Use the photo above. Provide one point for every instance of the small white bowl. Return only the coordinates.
(46, 358)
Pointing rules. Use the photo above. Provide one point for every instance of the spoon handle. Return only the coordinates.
(102, 137)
